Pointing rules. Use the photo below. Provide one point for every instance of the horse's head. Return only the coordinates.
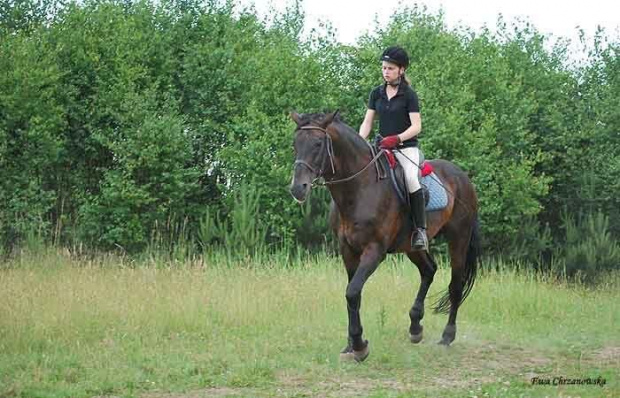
(313, 155)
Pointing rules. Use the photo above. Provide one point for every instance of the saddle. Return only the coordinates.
(435, 194)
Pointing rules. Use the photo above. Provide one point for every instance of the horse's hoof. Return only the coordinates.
(448, 335)
(415, 335)
(416, 338)
(445, 340)
(350, 354)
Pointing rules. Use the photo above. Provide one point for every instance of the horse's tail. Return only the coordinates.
(471, 260)
(442, 305)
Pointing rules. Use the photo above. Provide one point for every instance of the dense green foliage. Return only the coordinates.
(125, 121)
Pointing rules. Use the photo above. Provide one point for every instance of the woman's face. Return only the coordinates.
(391, 72)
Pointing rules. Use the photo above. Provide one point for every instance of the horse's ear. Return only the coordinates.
(329, 118)
(296, 118)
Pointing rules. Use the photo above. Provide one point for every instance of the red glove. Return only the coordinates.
(390, 142)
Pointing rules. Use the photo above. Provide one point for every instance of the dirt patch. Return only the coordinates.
(607, 355)
(464, 368)
(469, 367)
(207, 392)
(296, 387)
(338, 387)
(489, 363)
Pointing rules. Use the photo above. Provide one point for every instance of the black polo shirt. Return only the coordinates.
(394, 113)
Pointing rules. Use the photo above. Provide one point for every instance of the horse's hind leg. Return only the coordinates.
(458, 250)
(427, 268)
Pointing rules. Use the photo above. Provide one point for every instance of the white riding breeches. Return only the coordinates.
(409, 158)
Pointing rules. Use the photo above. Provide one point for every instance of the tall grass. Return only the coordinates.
(585, 251)
(75, 327)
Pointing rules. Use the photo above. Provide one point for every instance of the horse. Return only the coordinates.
(370, 221)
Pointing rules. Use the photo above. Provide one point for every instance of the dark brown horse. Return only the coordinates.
(370, 221)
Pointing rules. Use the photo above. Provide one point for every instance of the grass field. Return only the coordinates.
(108, 327)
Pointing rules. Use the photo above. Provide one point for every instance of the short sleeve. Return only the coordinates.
(412, 102)
(372, 99)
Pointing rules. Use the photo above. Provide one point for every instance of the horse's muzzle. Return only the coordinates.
(300, 191)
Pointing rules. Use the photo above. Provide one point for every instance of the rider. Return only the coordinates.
(399, 125)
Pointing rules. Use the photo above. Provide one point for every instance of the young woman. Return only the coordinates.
(399, 124)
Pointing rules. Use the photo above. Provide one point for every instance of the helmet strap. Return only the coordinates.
(395, 82)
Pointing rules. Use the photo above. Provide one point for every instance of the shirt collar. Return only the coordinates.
(401, 89)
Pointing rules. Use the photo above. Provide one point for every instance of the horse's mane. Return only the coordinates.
(344, 129)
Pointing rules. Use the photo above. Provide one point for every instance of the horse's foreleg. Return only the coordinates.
(369, 261)
(427, 268)
(351, 263)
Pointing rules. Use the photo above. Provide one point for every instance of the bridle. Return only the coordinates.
(327, 142)
(330, 154)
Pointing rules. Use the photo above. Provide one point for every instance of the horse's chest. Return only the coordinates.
(356, 233)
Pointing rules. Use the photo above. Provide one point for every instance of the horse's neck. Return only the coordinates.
(350, 158)
(350, 152)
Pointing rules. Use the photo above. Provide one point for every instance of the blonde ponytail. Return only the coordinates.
(406, 79)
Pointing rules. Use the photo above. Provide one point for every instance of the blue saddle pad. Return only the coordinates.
(438, 194)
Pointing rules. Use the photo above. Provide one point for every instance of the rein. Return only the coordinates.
(330, 154)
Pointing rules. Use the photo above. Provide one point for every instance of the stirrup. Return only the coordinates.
(419, 240)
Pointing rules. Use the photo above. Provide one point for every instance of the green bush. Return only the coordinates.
(150, 179)
(589, 250)
(126, 123)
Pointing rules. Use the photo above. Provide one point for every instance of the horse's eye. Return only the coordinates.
(317, 144)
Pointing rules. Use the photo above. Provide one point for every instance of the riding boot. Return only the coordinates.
(419, 240)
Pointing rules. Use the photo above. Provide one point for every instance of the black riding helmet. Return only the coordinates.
(396, 55)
